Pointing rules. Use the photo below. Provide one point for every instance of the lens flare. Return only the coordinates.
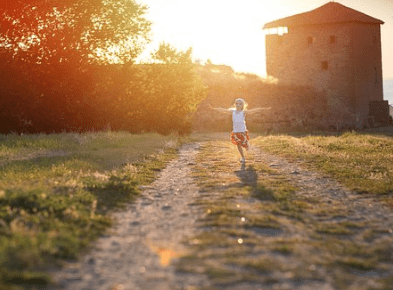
(165, 254)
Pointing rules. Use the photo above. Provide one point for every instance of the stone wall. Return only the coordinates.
(367, 66)
(341, 61)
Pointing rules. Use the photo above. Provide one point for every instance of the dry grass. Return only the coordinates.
(57, 191)
(362, 162)
(258, 230)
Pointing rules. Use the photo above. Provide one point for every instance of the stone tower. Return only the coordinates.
(336, 50)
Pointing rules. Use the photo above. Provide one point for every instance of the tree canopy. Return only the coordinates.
(93, 31)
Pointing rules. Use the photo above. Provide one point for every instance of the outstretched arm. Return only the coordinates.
(221, 110)
(256, 110)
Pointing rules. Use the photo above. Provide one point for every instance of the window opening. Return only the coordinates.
(311, 40)
(276, 31)
(325, 65)
(332, 39)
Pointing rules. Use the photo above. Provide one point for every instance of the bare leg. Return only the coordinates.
(239, 147)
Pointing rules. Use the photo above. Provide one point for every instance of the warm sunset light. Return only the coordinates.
(165, 255)
(196, 144)
(171, 58)
(230, 32)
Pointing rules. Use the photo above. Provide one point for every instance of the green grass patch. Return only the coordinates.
(284, 248)
(57, 192)
(333, 229)
(362, 162)
(358, 264)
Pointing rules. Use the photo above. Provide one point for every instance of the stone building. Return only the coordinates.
(337, 50)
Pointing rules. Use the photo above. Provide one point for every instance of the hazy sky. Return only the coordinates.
(230, 31)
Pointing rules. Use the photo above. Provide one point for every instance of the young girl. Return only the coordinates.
(239, 135)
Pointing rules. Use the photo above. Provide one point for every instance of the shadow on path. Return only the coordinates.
(247, 175)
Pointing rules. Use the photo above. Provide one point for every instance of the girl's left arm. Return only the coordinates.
(256, 110)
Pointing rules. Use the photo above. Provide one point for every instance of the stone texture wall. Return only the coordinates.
(367, 66)
(341, 61)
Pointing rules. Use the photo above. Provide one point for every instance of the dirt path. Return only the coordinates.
(137, 253)
(317, 235)
(364, 243)
(325, 190)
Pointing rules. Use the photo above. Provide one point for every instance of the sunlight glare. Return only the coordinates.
(165, 254)
(217, 30)
(230, 31)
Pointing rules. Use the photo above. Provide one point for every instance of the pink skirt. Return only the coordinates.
(240, 138)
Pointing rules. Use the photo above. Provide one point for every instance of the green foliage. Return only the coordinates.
(86, 31)
(158, 97)
(92, 82)
(173, 92)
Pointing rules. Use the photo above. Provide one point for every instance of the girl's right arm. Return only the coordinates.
(221, 110)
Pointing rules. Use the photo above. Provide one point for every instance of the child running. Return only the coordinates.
(239, 135)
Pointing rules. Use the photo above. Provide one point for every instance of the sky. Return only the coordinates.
(230, 32)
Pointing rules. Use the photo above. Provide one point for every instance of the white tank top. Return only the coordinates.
(239, 124)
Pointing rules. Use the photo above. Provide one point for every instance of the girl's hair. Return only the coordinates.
(242, 101)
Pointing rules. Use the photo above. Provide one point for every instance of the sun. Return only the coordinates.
(225, 32)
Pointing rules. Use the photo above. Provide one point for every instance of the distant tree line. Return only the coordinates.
(70, 65)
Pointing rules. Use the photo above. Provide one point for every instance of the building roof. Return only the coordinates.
(331, 12)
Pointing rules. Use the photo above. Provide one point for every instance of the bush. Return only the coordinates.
(157, 97)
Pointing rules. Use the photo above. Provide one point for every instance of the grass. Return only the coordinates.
(258, 229)
(362, 162)
(57, 192)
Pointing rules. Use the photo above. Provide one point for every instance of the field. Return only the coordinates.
(57, 193)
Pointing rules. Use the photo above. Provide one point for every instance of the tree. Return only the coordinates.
(53, 51)
(69, 65)
(175, 90)
(55, 31)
